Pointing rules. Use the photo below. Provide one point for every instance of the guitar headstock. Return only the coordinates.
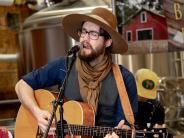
(157, 133)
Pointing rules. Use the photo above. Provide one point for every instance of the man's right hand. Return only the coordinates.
(42, 117)
(26, 95)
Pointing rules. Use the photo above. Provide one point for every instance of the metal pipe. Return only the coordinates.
(114, 6)
(8, 57)
(9, 101)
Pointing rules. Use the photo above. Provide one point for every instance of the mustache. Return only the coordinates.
(86, 45)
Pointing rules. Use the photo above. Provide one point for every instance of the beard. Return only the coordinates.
(92, 56)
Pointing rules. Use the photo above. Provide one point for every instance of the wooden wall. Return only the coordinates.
(11, 19)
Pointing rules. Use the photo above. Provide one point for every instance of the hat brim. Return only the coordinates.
(72, 22)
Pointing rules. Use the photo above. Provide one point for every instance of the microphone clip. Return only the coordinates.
(74, 49)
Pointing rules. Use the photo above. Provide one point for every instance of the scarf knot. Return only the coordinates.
(93, 85)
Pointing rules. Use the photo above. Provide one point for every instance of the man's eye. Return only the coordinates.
(94, 33)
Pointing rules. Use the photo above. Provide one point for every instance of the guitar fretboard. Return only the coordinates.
(99, 131)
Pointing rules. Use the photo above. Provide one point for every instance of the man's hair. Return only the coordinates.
(105, 34)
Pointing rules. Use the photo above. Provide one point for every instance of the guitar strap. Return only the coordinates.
(127, 109)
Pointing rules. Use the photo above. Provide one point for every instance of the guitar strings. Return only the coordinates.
(71, 134)
(98, 129)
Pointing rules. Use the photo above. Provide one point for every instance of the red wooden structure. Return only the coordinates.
(145, 25)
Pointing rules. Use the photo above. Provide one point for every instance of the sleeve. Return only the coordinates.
(131, 89)
(48, 75)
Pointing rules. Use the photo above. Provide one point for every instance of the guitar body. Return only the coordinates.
(26, 125)
(74, 113)
(78, 113)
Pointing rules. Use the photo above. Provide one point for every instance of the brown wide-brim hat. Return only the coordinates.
(102, 17)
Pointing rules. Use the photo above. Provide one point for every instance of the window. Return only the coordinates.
(143, 17)
(129, 36)
(146, 34)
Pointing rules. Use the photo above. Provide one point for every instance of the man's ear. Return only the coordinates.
(108, 42)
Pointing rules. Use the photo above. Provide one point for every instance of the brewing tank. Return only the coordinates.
(42, 38)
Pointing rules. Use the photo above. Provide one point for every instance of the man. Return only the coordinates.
(91, 79)
(151, 113)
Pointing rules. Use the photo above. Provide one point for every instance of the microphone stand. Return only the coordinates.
(59, 100)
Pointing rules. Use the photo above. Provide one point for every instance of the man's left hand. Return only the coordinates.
(121, 125)
(113, 135)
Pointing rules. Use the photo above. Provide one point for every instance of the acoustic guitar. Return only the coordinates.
(80, 120)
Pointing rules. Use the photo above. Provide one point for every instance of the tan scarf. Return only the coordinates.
(90, 79)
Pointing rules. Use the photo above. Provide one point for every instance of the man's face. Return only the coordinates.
(91, 48)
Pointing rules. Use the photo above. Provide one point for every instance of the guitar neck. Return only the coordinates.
(70, 129)
(95, 131)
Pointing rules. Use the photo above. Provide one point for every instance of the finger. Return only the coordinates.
(44, 118)
(107, 136)
(125, 127)
(46, 115)
(121, 124)
(52, 131)
(114, 135)
(110, 136)
(43, 121)
(43, 128)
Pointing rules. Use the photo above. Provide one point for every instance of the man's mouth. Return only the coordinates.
(87, 46)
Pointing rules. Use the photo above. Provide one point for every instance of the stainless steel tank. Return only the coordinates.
(165, 64)
(42, 38)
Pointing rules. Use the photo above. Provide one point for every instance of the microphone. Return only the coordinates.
(74, 49)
